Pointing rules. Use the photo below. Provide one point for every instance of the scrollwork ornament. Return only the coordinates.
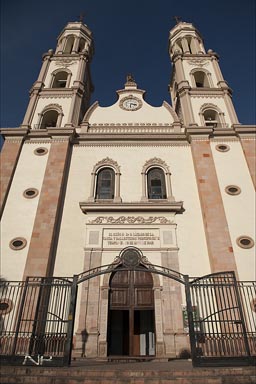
(139, 220)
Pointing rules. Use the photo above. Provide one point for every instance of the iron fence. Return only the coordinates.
(223, 327)
(35, 320)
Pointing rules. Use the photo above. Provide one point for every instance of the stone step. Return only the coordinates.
(102, 374)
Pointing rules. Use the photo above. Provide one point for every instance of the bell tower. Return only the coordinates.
(199, 93)
(61, 94)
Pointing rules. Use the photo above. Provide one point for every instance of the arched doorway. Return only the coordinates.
(131, 318)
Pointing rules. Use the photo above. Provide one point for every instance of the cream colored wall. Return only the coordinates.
(232, 169)
(19, 214)
(64, 102)
(70, 253)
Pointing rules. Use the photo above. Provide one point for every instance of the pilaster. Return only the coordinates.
(9, 156)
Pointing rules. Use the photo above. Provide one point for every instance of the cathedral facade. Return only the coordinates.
(84, 186)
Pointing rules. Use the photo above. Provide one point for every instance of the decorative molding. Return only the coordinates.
(60, 62)
(198, 62)
(48, 95)
(54, 106)
(107, 162)
(155, 161)
(131, 124)
(131, 145)
(139, 220)
(131, 130)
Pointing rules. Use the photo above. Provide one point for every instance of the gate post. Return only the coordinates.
(190, 319)
(21, 308)
(71, 319)
(246, 343)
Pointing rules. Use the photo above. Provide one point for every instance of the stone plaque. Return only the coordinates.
(121, 238)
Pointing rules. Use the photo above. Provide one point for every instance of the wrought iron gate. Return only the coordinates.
(222, 324)
(37, 321)
(37, 317)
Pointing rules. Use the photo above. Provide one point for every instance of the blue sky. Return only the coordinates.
(130, 37)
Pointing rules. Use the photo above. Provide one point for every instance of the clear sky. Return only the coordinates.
(130, 37)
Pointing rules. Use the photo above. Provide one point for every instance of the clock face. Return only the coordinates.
(131, 104)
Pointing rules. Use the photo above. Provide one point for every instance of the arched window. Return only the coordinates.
(156, 180)
(105, 188)
(49, 119)
(81, 45)
(105, 181)
(211, 118)
(156, 184)
(201, 80)
(69, 44)
(60, 79)
(51, 116)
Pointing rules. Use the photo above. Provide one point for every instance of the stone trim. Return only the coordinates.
(103, 206)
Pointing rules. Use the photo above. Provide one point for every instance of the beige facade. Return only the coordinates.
(81, 183)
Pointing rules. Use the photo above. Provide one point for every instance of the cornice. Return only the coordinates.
(51, 133)
(13, 132)
(209, 92)
(245, 130)
(124, 138)
(163, 206)
(198, 133)
(56, 92)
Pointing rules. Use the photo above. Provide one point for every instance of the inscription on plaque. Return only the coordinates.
(121, 238)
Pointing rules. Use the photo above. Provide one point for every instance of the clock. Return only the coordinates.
(130, 103)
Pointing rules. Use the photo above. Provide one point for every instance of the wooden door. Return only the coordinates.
(130, 293)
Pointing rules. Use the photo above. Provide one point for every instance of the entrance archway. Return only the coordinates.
(131, 329)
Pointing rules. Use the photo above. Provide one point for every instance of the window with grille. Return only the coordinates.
(156, 184)
(105, 184)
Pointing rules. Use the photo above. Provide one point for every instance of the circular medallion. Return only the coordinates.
(131, 257)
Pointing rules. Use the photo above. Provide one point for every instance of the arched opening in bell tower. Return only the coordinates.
(49, 119)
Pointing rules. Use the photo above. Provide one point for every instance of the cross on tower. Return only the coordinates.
(81, 17)
(177, 19)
